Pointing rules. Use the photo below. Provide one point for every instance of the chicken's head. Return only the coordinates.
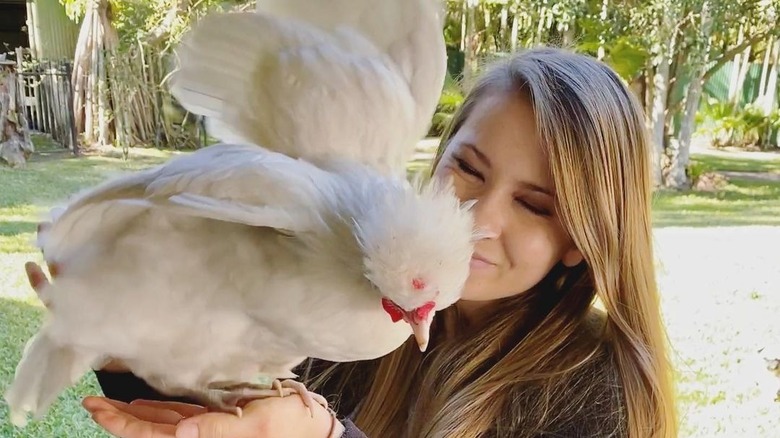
(417, 245)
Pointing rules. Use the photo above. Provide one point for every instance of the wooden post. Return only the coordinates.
(15, 144)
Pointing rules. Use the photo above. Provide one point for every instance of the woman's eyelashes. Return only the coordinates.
(537, 210)
(467, 168)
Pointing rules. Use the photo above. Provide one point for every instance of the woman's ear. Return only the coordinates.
(572, 257)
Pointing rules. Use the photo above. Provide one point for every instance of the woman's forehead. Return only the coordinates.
(502, 133)
(501, 122)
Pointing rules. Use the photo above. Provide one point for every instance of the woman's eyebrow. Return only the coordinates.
(480, 155)
(528, 185)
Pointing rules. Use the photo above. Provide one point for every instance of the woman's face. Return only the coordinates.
(496, 159)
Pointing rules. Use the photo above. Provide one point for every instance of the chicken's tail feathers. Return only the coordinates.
(46, 369)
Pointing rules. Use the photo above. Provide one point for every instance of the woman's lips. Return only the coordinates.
(479, 262)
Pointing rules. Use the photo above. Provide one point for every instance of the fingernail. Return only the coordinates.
(92, 403)
(187, 430)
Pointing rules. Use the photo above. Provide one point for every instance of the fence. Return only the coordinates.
(48, 99)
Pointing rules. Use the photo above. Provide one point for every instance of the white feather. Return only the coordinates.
(342, 78)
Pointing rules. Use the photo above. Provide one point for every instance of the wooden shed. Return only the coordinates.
(13, 25)
(40, 25)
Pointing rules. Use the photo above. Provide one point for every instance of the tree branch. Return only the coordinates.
(162, 30)
(728, 55)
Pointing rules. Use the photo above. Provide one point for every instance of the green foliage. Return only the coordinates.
(746, 127)
(450, 100)
(136, 19)
(696, 170)
(627, 57)
(75, 9)
(714, 118)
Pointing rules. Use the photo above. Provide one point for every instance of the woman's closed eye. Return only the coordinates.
(467, 168)
(532, 207)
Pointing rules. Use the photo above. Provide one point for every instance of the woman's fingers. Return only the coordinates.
(38, 280)
(43, 226)
(155, 414)
(124, 425)
(35, 276)
(54, 269)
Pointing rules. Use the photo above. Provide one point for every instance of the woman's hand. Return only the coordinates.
(273, 417)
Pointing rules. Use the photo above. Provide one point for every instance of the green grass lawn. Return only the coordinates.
(743, 201)
(26, 194)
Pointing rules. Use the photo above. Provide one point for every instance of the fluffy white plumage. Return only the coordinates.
(363, 77)
(236, 261)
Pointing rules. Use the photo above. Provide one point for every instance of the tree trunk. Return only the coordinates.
(470, 55)
(658, 115)
(463, 27)
(603, 16)
(540, 26)
(677, 176)
(735, 86)
(770, 93)
(664, 49)
(488, 28)
(765, 67)
(515, 28)
(177, 9)
(15, 143)
(504, 37)
(569, 34)
(744, 67)
(91, 101)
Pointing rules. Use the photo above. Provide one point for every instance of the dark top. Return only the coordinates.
(575, 409)
(596, 410)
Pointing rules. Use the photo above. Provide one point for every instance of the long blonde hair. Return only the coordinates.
(592, 131)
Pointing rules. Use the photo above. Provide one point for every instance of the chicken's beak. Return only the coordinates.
(421, 330)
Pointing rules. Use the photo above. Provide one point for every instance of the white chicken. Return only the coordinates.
(240, 261)
(320, 79)
(234, 262)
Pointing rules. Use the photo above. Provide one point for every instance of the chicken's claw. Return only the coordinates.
(227, 399)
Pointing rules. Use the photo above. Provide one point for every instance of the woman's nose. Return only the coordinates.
(489, 215)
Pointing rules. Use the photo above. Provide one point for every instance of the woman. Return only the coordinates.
(552, 146)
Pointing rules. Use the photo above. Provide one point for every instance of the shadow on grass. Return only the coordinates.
(739, 164)
(741, 202)
(19, 320)
(13, 228)
(55, 179)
